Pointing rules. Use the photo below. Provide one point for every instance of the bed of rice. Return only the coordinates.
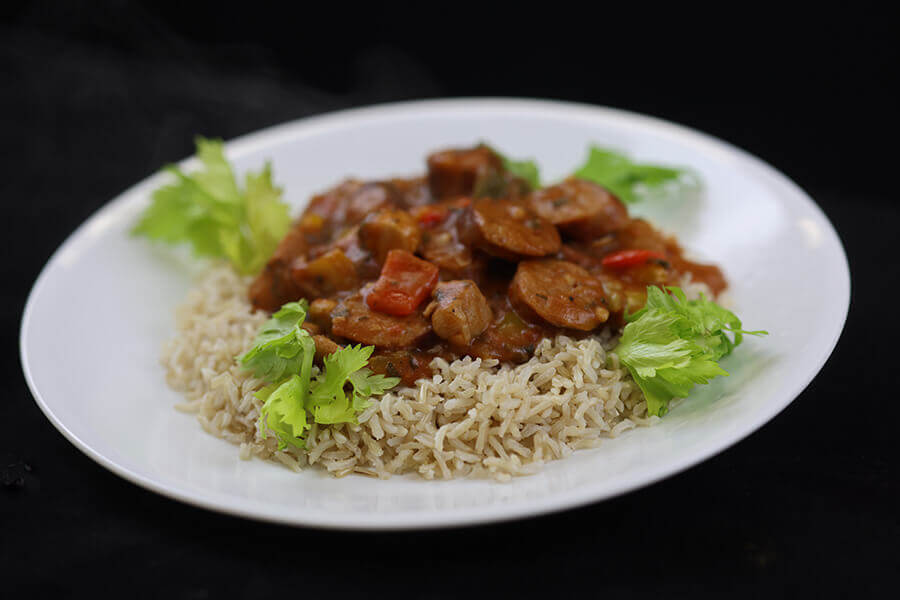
(472, 418)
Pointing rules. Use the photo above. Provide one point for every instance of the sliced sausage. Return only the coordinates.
(354, 320)
(459, 312)
(510, 230)
(580, 208)
(389, 230)
(559, 292)
(639, 234)
(456, 172)
(325, 275)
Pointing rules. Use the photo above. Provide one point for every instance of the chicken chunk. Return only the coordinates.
(389, 230)
(325, 275)
(354, 320)
(560, 292)
(459, 312)
(510, 230)
(579, 208)
(456, 172)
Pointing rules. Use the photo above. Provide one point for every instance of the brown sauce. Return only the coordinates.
(513, 269)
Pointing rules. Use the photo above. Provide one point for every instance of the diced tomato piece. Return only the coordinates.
(630, 258)
(404, 283)
(429, 216)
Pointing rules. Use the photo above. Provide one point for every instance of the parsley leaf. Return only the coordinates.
(329, 402)
(623, 177)
(282, 354)
(208, 210)
(674, 343)
(524, 169)
(281, 347)
(283, 412)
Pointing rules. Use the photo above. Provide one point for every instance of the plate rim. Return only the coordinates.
(408, 520)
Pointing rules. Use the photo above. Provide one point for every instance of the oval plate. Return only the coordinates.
(104, 304)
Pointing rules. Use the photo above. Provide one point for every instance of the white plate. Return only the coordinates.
(103, 305)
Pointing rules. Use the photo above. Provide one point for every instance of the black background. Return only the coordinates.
(96, 96)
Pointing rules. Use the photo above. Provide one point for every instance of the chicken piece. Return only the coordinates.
(579, 208)
(325, 275)
(389, 230)
(560, 292)
(456, 172)
(274, 285)
(459, 312)
(354, 320)
(509, 230)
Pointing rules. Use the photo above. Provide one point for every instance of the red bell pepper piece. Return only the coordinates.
(431, 216)
(405, 281)
(630, 258)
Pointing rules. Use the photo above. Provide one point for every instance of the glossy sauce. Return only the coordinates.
(535, 258)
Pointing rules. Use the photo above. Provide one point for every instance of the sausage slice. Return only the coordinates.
(510, 230)
(455, 172)
(354, 320)
(580, 208)
(559, 292)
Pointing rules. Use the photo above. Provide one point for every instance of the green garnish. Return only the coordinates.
(614, 171)
(523, 169)
(282, 355)
(284, 412)
(281, 347)
(623, 177)
(674, 343)
(209, 211)
(328, 400)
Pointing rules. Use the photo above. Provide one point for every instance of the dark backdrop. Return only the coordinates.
(96, 96)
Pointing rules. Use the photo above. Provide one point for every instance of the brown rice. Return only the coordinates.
(473, 417)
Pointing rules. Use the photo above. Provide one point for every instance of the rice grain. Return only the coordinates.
(473, 417)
